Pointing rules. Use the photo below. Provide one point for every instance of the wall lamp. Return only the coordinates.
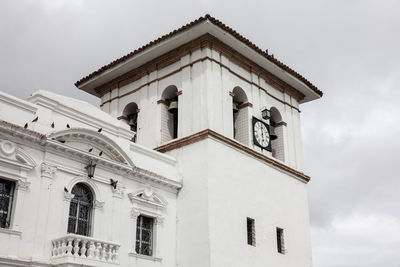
(266, 113)
(90, 168)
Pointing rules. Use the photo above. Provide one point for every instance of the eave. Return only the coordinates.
(191, 31)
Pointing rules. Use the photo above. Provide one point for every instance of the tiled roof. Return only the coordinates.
(190, 25)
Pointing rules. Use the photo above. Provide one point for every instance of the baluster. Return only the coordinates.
(91, 250)
(76, 246)
(103, 252)
(59, 247)
(109, 252)
(83, 248)
(69, 245)
(116, 248)
(97, 252)
(63, 247)
(53, 250)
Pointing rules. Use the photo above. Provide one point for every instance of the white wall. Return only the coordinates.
(205, 103)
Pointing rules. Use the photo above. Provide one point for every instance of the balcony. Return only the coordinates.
(77, 250)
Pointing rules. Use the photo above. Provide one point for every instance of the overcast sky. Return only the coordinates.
(348, 48)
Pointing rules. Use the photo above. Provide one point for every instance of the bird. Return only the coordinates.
(68, 126)
(101, 153)
(26, 125)
(113, 183)
(35, 119)
(52, 125)
(99, 130)
(61, 141)
(90, 150)
(65, 190)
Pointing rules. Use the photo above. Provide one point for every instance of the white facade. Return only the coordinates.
(198, 188)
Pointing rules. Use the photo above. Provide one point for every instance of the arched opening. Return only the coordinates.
(80, 210)
(240, 116)
(169, 114)
(130, 114)
(276, 127)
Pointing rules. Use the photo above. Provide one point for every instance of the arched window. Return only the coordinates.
(80, 210)
(276, 126)
(240, 116)
(169, 114)
(130, 114)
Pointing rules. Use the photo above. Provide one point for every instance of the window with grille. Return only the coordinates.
(280, 241)
(144, 235)
(6, 199)
(251, 232)
(80, 210)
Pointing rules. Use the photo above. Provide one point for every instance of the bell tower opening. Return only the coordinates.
(240, 116)
(130, 114)
(169, 114)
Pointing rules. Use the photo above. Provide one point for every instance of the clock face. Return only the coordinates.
(261, 134)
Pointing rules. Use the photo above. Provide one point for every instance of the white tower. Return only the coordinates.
(212, 99)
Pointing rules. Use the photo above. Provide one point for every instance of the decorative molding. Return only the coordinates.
(98, 204)
(149, 197)
(145, 257)
(207, 40)
(48, 170)
(159, 220)
(7, 147)
(68, 196)
(134, 213)
(10, 231)
(23, 185)
(118, 192)
(210, 133)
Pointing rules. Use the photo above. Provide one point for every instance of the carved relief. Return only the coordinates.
(48, 170)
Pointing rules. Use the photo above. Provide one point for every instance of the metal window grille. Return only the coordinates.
(144, 235)
(280, 240)
(6, 199)
(251, 232)
(80, 210)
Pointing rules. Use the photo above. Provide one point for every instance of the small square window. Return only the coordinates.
(280, 240)
(144, 235)
(6, 199)
(251, 232)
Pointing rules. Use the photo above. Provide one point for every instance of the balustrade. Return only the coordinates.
(84, 247)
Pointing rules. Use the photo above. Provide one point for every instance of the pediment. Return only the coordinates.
(12, 154)
(92, 142)
(147, 196)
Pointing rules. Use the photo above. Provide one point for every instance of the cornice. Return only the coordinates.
(206, 40)
(211, 134)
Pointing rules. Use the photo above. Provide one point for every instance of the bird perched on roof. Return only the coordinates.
(113, 183)
(26, 125)
(99, 130)
(68, 126)
(65, 190)
(35, 119)
(52, 125)
(91, 149)
(101, 153)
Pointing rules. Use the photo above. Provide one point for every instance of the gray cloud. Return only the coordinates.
(348, 48)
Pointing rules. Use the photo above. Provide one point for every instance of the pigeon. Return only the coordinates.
(101, 153)
(61, 141)
(113, 183)
(90, 150)
(52, 125)
(26, 125)
(35, 119)
(99, 130)
(68, 126)
(65, 190)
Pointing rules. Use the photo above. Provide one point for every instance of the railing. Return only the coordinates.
(83, 247)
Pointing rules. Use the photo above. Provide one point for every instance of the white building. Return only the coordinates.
(185, 171)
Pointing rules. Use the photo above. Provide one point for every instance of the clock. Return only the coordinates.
(261, 135)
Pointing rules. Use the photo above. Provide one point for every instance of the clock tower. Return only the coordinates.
(229, 113)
